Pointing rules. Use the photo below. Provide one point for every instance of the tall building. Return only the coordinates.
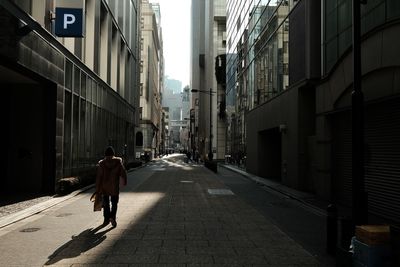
(175, 103)
(289, 64)
(157, 11)
(149, 136)
(257, 64)
(165, 131)
(185, 120)
(380, 63)
(208, 48)
(68, 91)
(174, 85)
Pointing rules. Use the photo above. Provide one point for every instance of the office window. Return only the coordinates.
(75, 131)
(82, 132)
(114, 58)
(77, 80)
(338, 24)
(123, 65)
(89, 89)
(68, 74)
(104, 35)
(67, 132)
(94, 93)
(83, 85)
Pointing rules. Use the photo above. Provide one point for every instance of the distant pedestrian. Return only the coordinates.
(109, 172)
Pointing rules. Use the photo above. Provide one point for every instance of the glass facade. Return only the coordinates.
(257, 59)
(338, 24)
(97, 111)
(92, 113)
(93, 118)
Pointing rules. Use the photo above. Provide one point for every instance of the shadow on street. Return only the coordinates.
(78, 244)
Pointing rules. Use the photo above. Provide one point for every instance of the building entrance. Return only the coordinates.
(270, 154)
(28, 112)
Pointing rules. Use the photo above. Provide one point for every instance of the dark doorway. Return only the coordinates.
(29, 114)
(139, 139)
(270, 154)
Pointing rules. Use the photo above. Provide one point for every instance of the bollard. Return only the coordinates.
(345, 232)
(331, 229)
(344, 256)
(395, 244)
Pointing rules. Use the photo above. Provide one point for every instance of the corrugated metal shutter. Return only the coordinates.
(382, 158)
(382, 165)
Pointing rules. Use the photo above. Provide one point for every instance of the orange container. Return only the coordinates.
(373, 234)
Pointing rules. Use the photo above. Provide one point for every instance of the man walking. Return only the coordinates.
(109, 172)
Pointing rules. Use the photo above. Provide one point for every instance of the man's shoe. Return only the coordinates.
(105, 222)
(113, 222)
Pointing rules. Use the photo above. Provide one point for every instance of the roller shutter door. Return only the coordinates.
(382, 158)
(382, 165)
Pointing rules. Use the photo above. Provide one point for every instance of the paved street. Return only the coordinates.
(170, 214)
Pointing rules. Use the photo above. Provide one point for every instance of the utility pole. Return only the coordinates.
(210, 153)
(360, 203)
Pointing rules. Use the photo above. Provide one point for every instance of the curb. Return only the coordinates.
(38, 208)
(277, 187)
(25, 213)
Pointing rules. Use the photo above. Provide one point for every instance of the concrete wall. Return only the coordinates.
(293, 109)
(282, 110)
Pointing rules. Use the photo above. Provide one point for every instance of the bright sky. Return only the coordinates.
(175, 23)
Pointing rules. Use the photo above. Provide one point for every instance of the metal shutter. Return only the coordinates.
(382, 165)
(382, 158)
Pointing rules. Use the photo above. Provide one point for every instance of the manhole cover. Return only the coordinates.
(64, 214)
(220, 192)
(30, 230)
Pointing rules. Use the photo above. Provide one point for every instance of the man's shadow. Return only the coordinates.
(78, 244)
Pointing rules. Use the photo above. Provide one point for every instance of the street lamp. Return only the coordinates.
(210, 92)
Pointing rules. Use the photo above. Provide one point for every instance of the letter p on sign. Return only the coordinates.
(68, 19)
(69, 22)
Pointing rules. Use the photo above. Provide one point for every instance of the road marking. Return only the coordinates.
(220, 192)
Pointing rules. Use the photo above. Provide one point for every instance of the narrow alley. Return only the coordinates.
(171, 213)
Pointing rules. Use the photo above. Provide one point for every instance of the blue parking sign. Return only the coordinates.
(69, 22)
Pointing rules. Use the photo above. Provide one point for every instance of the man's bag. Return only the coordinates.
(97, 201)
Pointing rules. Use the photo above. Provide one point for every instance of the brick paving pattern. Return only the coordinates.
(171, 214)
(172, 220)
